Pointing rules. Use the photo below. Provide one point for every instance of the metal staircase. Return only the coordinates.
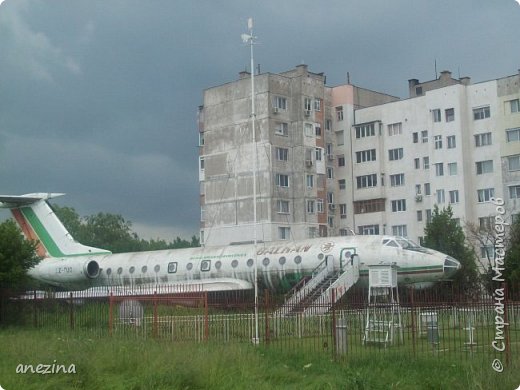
(330, 280)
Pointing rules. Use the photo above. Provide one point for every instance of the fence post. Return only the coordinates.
(110, 307)
(266, 312)
(155, 319)
(71, 312)
(334, 339)
(412, 311)
(206, 317)
(35, 310)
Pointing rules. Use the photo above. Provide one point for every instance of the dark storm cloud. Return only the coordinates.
(98, 99)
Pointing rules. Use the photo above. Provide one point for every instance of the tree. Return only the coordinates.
(112, 232)
(17, 255)
(512, 258)
(444, 234)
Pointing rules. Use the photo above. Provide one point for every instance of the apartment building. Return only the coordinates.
(451, 143)
(295, 169)
(343, 159)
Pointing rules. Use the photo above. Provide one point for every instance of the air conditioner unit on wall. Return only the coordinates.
(275, 110)
(308, 163)
(307, 113)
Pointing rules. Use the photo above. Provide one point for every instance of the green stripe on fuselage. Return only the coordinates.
(44, 236)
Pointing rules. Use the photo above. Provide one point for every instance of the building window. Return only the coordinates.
(366, 181)
(397, 180)
(438, 141)
(281, 128)
(330, 221)
(486, 223)
(367, 230)
(369, 206)
(483, 139)
(343, 232)
(399, 230)
(317, 130)
(449, 114)
(487, 252)
(366, 155)
(328, 124)
(313, 233)
(485, 194)
(201, 138)
(310, 181)
(282, 180)
(395, 154)
(436, 114)
(330, 173)
(417, 163)
(307, 104)
(341, 160)
(318, 153)
(201, 163)
(440, 196)
(514, 105)
(427, 189)
(513, 135)
(417, 189)
(282, 154)
(484, 167)
(280, 103)
(342, 184)
(310, 207)
(339, 113)
(514, 192)
(426, 162)
(428, 215)
(481, 113)
(319, 205)
(424, 136)
(317, 104)
(330, 198)
(283, 206)
(454, 196)
(418, 91)
(367, 130)
(398, 205)
(284, 232)
(343, 210)
(513, 163)
(419, 215)
(451, 141)
(452, 169)
(395, 129)
(415, 137)
(439, 169)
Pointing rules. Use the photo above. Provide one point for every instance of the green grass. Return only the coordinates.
(119, 362)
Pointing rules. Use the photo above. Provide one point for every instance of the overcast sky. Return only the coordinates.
(98, 99)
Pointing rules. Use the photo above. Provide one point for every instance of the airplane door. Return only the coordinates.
(345, 257)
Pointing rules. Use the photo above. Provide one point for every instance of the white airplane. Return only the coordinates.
(70, 265)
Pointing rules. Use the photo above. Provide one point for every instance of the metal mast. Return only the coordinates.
(250, 38)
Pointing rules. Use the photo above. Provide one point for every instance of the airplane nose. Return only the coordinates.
(451, 266)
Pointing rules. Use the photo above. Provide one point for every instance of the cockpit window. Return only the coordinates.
(407, 244)
(388, 242)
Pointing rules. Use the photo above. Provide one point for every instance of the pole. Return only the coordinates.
(250, 38)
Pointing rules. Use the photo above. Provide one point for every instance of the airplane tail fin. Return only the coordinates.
(39, 222)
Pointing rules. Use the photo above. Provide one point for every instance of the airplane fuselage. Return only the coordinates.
(279, 264)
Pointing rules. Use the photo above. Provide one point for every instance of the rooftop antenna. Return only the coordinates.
(436, 69)
(348, 78)
(250, 39)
